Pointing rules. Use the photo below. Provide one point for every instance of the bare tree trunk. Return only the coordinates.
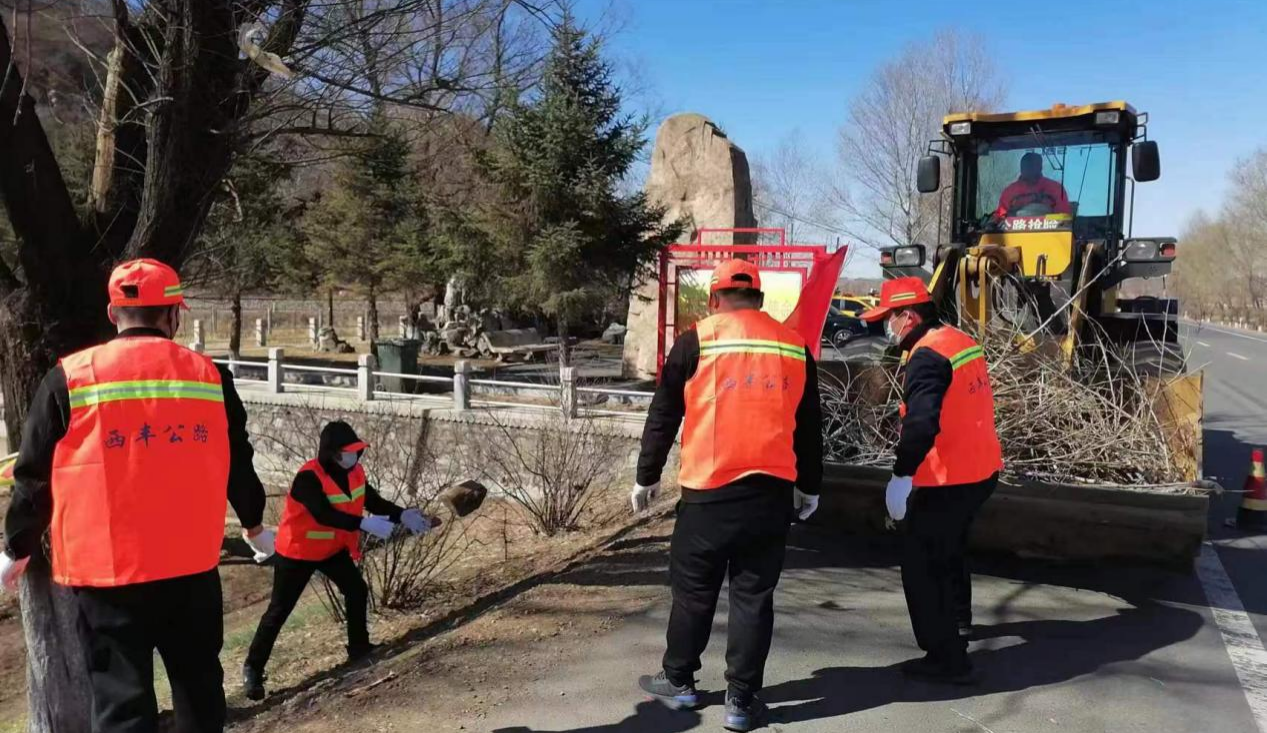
(372, 314)
(330, 307)
(235, 330)
(565, 352)
(59, 695)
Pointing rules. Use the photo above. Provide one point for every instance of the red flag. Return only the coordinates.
(810, 313)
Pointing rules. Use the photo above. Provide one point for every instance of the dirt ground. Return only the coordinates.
(498, 558)
(450, 680)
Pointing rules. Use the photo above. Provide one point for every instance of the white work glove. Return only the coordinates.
(10, 571)
(262, 544)
(642, 496)
(804, 504)
(380, 527)
(896, 496)
(415, 522)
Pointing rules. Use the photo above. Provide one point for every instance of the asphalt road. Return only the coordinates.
(1065, 648)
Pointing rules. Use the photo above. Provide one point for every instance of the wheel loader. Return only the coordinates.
(1038, 209)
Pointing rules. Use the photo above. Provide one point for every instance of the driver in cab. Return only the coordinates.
(1033, 194)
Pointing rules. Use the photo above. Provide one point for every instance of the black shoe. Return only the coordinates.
(932, 670)
(965, 630)
(253, 682)
(744, 714)
(357, 652)
(674, 697)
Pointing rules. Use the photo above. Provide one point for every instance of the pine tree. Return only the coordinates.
(369, 230)
(559, 238)
(247, 233)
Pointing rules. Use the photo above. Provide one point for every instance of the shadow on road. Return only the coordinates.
(647, 716)
(1052, 652)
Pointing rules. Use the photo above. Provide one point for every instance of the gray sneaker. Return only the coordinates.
(744, 714)
(674, 697)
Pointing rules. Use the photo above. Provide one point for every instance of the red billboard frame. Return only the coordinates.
(781, 257)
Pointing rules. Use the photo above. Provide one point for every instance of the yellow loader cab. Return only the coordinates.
(1039, 240)
(1040, 217)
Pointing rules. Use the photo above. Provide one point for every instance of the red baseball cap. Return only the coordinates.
(735, 274)
(898, 293)
(356, 445)
(145, 283)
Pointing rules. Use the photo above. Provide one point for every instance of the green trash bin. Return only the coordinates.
(401, 357)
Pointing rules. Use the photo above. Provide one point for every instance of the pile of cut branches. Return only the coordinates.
(1093, 423)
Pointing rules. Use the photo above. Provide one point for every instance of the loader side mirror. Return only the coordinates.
(928, 175)
(1145, 161)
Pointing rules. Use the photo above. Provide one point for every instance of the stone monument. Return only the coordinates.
(699, 174)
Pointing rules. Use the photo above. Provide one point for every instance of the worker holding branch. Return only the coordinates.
(130, 453)
(946, 465)
(752, 453)
(320, 531)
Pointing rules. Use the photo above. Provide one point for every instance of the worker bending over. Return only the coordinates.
(946, 465)
(747, 388)
(321, 530)
(129, 452)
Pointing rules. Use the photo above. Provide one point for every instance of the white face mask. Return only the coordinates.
(895, 337)
(347, 459)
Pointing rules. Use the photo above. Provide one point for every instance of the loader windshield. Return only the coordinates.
(1044, 182)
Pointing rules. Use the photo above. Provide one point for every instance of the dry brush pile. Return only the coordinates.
(1094, 423)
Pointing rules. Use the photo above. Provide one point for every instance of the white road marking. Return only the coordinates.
(1235, 355)
(1202, 343)
(1244, 647)
(1237, 334)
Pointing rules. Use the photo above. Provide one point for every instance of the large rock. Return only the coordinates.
(699, 174)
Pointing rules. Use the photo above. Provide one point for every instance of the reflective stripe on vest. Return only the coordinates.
(139, 481)
(966, 449)
(144, 389)
(301, 537)
(741, 403)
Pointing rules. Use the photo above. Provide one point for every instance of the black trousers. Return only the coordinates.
(290, 577)
(743, 539)
(122, 627)
(935, 574)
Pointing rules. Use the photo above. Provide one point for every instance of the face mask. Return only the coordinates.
(347, 459)
(895, 337)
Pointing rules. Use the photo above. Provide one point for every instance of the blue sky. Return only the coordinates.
(763, 69)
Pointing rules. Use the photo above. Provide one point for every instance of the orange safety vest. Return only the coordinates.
(301, 537)
(966, 449)
(140, 480)
(741, 403)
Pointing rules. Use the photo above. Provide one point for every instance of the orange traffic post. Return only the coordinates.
(1253, 511)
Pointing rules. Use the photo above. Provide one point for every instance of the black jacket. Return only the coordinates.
(31, 506)
(926, 379)
(306, 488)
(668, 408)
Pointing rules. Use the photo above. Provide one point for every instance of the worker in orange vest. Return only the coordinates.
(751, 458)
(129, 454)
(1032, 191)
(946, 465)
(320, 531)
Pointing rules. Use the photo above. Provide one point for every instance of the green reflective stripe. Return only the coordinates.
(967, 355)
(145, 389)
(799, 355)
(342, 498)
(173, 290)
(752, 346)
(902, 297)
(320, 535)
